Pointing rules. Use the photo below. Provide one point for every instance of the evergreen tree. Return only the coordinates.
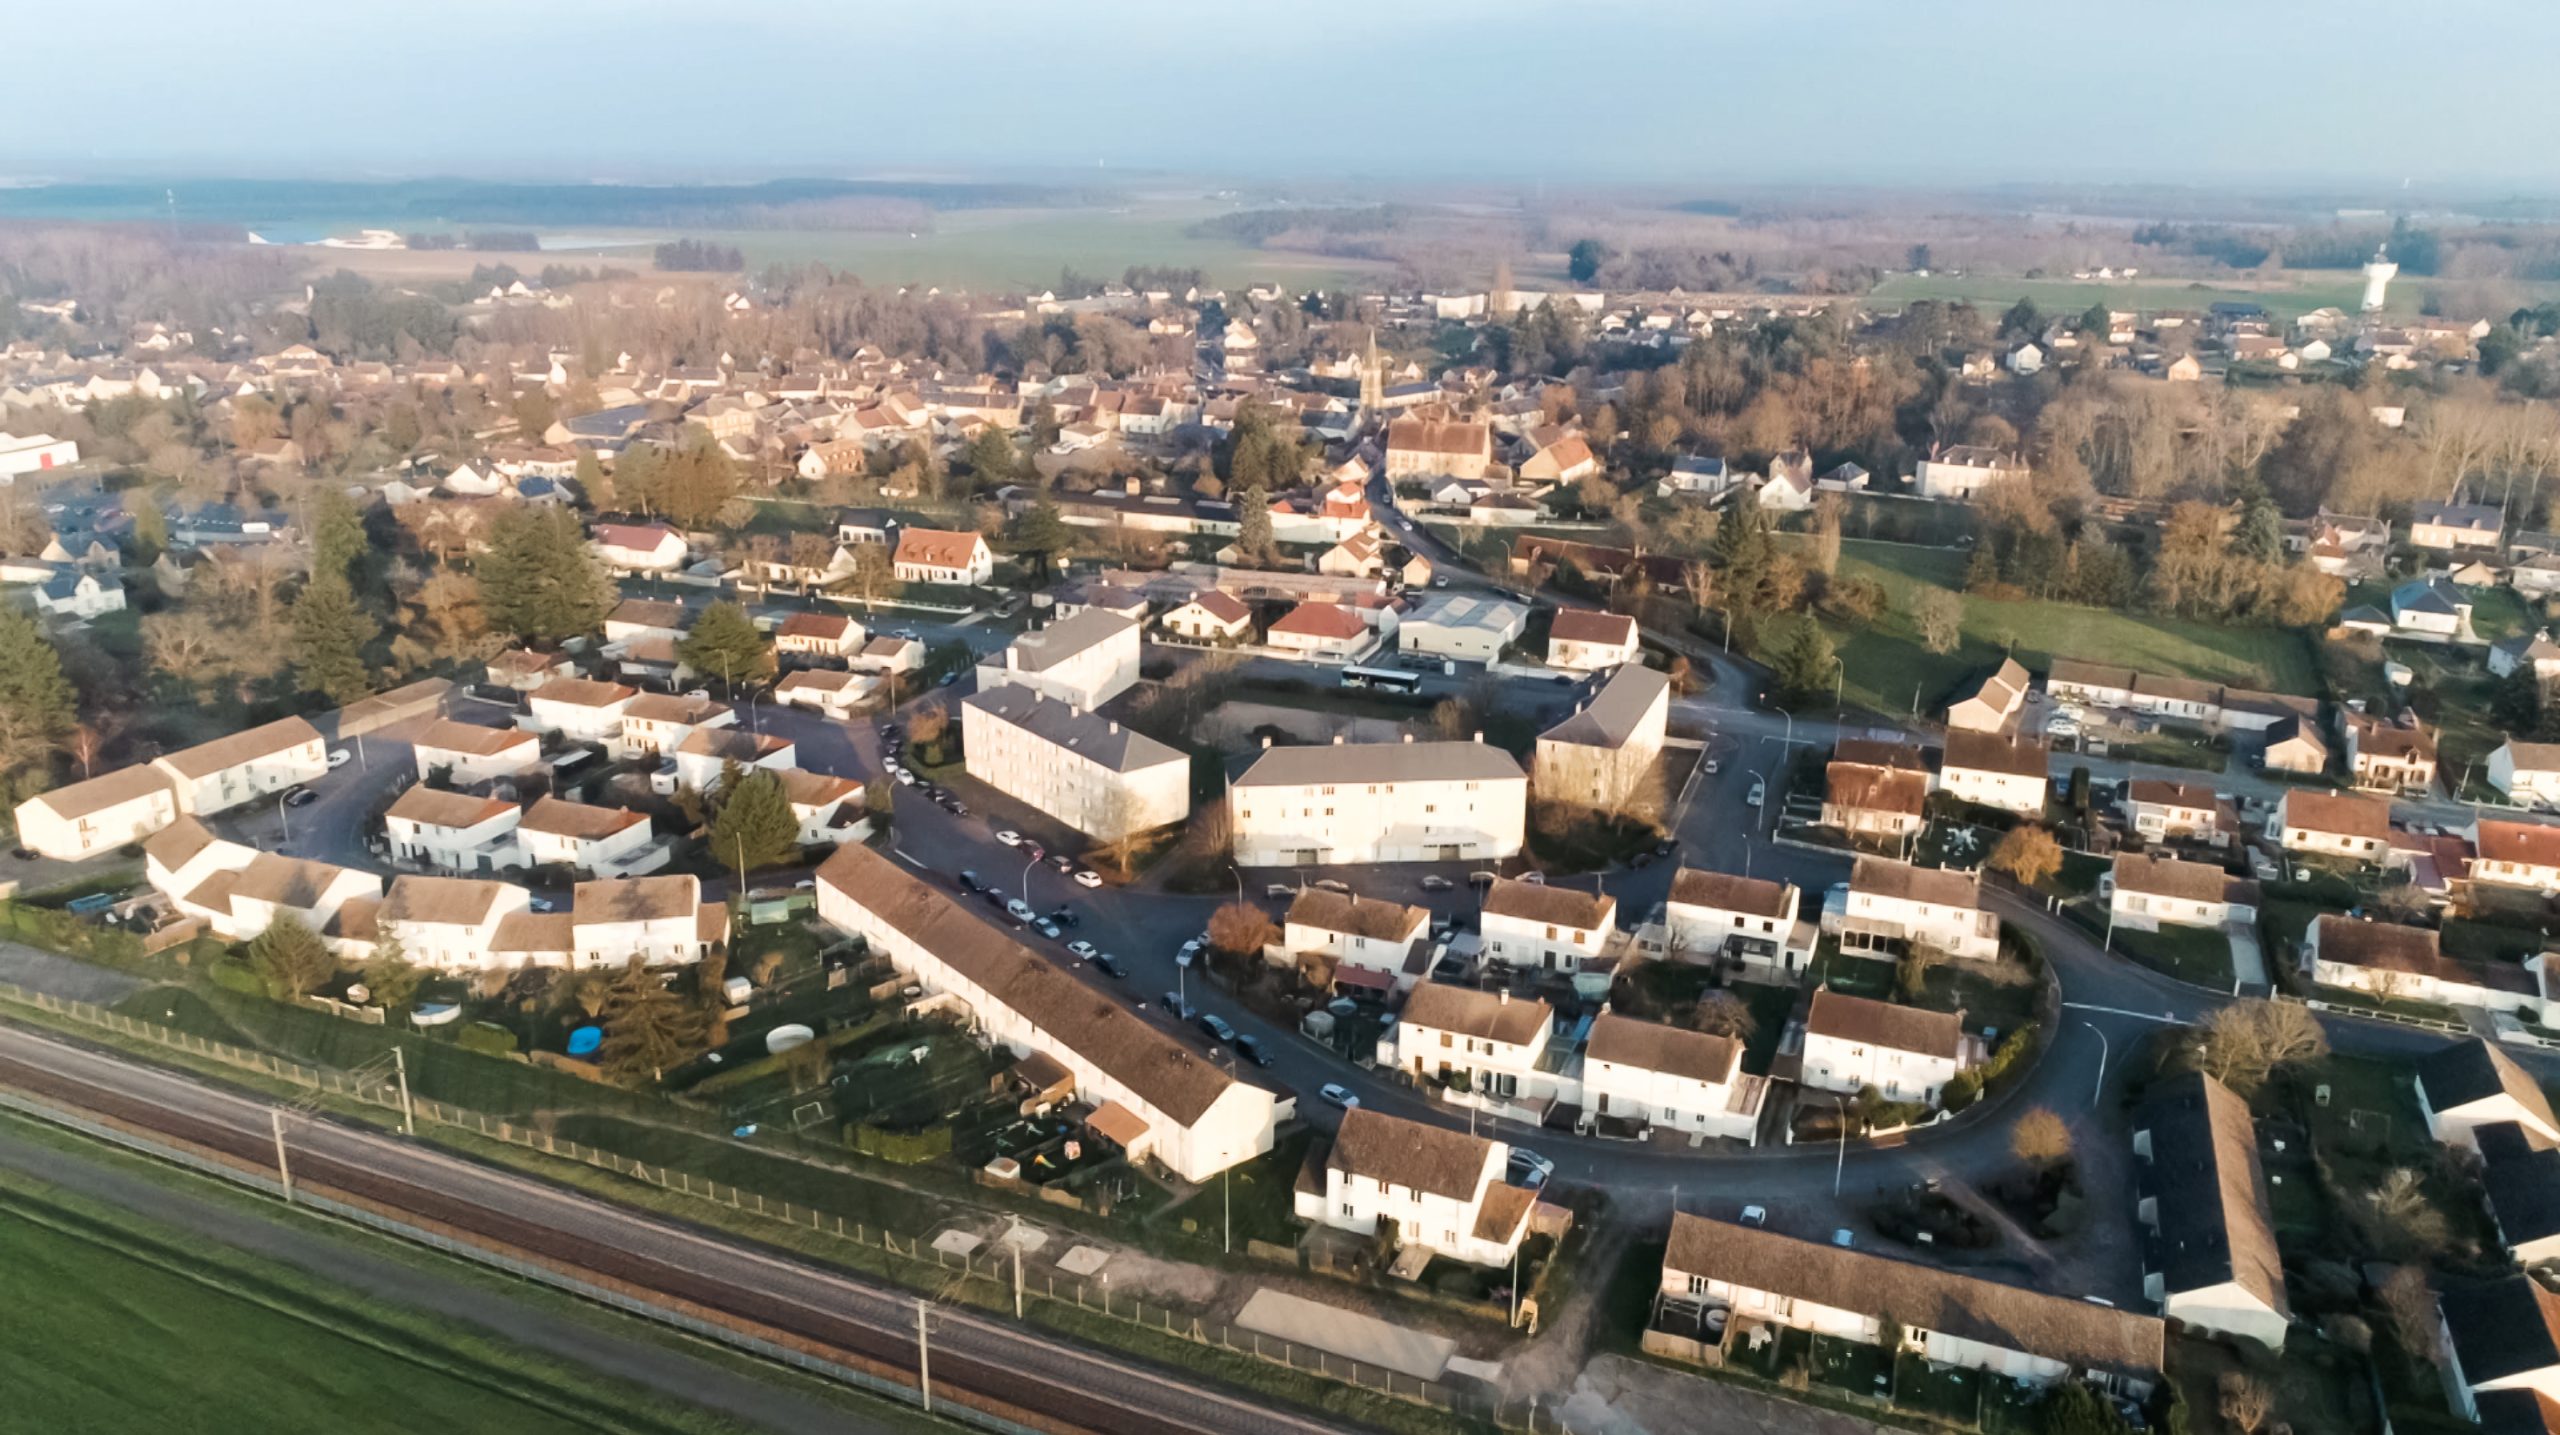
(390, 975)
(1253, 523)
(647, 1028)
(329, 635)
(1746, 552)
(2259, 537)
(36, 706)
(991, 458)
(724, 644)
(539, 581)
(290, 958)
(337, 534)
(150, 524)
(1039, 535)
(754, 829)
(594, 484)
(1804, 663)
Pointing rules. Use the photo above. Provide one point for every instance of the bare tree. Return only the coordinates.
(2243, 1402)
(2028, 853)
(2410, 1305)
(2041, 1138)
(2247, 1041)
(1241, 929)
(1939, 615)
(2399, 1219)
(1724, 1014)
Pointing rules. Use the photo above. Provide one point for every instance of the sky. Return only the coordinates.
(1677, 91)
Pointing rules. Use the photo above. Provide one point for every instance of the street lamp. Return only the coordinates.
(2100, 1089)
(1026, 879)
(1840, 1163)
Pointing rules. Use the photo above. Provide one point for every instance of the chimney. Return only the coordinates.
(1115, 729)
(1266, 742)
(1408, 737)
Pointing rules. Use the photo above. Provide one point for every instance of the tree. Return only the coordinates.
(2243, 1401)
(2398, 1218)
(539, 581)
(927, 726)
(594, 484)
(1827, 511)
(2040, 1138)
(390, 975)
(1253, 523)
(647, 1028)
(2028, 853)
(1241, 929)
(755, 828)
(2410, 1305)
(724, 643)
(1040, 535)
(1939, 617)
(2247, 1041)
(150, 524)
(1804, 663)
(290, 958)
(1583, 261)
(1724, 1014)
(36, 704)
(337, 534)
(329, 637)
(991, 458)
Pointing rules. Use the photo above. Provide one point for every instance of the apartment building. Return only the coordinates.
(1545, 928)
(1607, 754)
(461, 754)
(1083, 661)
(1893, 906)
(82, 820)
(1379, 802)
(2211, 1263)
(1997, 770)
(1090, 772)
(228, 771)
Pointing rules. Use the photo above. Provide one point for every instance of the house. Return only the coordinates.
(2294, 745)
(2516, 854)
(2211, 1261)
(1481, 1048)
(461, 754)
(828, 808)
(1372, 943)
(219, 775)
(1663, 1076)
(34, 453)
(1870, 800)
(2500, 1337)
(1696, 477)
(1716, 916)
(2472, 1084)
(838, 695)
(1995, 770)
(79, 821)
(1071, 599)
(2534, 650)
(452, 831)
(1562, 461)
(1083, 661)
(1438, 1189)
(1959, 472)
(1905, 1053)
(1425, 448)
(655, 724)
(1944, 1317)
(638, 547)
(1892, 906)
(934, 555)
(2146, 891)
(1580, 640)
(1991, 705)
(818, 637)
(2520, 1185)
(2398, 963)
(599, 841)
(704, 757)
(449, 923)
(2165, 811)
(2527, 772)
(524, 669)
(2431, 606)
(2388, 757)
(1089, 772)
(1554, 929)
(652, 919)
(2445, 526)
(1210, 617)
(890, 656)
(1321, 631)
(579, 709)
(1465, 627)
(248, 891)
(1162, 1099)
(2331, 824)
(80, 595)
(856, 526)
(1379, 802)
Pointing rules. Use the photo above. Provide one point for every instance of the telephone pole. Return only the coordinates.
(408, 1113)
(284, 1173)
(924, 1356)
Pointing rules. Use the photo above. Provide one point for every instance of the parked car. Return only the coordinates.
(1844, 1238)
(1339, 1095)
(300, 797)
(1033, 850)
(1109, 966)
(1437, 884)
(1332, 884)
(1278, 890)
(1087, 877)
(1711, 767)
(1534, 879)
(1251, 1050)
(906, 778)
(1528, 1168)
(1173, 1002)
(1009, 837)
(1019, 910)
(995, 899)
(1641, 859)
(1759, 792)
(1063, 863)
(1666, 847)
(340, 757)
(1190, 952)
(969, 882)
(1216, 1026)
(1755, 1215)
(1048, 929)
(1065, 916)
(1082, 948)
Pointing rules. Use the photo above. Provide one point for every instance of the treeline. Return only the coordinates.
(1260, 226)
(699, 256)
(493, 241)
(2207, 564)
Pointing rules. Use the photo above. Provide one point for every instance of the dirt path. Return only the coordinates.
(1556, 1356)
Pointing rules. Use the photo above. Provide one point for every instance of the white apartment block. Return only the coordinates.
(1580, 640)
(1379, 802)
(2146, 891)
(1894, 904)
(606, 841)
(1607, 754)
(1529, 924)
(73, 823)
(1087, 771)
(1083, 661)
(1443, 1189)
(452, 831)
(1906, 1054)
(467, 755)
(1669, 1077)
(228, 771)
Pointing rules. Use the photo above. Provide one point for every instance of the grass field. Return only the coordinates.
(1888, 670)
(2070, 296)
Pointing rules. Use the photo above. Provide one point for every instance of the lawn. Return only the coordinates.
(2191, 954)
(2315, 289)
(1889, 671)
(1263, 1192)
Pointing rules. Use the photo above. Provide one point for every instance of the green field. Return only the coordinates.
(2070, 296)
(1889, 671)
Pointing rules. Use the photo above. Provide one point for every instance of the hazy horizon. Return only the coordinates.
(1750, 92)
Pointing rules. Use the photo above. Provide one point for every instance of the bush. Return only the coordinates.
(487, 1038)
(903, 1148)
(233, 975)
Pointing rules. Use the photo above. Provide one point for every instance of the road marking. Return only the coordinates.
(2120, 1011)
(910, 861)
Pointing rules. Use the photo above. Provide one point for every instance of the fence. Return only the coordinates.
(907, 1259)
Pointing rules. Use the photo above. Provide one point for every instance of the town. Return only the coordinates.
(1499, 857)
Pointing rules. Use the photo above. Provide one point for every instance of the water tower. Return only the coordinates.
(2378, 273)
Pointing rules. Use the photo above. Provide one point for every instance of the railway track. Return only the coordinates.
(998, 1369)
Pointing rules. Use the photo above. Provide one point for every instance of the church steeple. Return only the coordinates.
(1373, 381)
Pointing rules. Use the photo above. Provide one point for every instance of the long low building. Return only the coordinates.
(1379, 802)
(1174, 1104)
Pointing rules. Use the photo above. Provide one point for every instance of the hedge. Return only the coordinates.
(904, 1148)
(488, 1038)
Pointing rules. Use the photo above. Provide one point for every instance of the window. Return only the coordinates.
(1347, 1212)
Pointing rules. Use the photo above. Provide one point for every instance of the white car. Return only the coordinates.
(1087, 877)
(1009, 837)
(1339, 1095)
(1759, 793)
(906, 778)
(1081, 948)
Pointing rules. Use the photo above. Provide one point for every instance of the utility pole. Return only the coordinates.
(1017, 1273)
(1840, 1163)
(924, 1356)
(284, 1173)
(408, 1113)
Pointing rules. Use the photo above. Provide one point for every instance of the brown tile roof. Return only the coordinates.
(84, 799)
(673, 708)
(175, 845)
(454, 901)
(649, 613)
(1652, 1046)
(1374, 918)
(1861, 788)
(1486, 1015)
(2387, 947)
(637, 537)
(559, 817)
(1382, 762)
(1416, 1155)
(582, 692)
(823, 627)
(530, 931)
(1320, 620)
(2023, 756)
(2157, 792)
(2215, 1222)
(447, 735)
(1169, 1075)
(1751, 896)
(2346, 814)
(2475, 1070)
(731, 744)
(1438, 436)
(1871, 752)
(1875, 1023)
(1556, 906)
(802, 788)
(2529, 843)
(635, 899)
(2534, 756)
(2155, 875)
(937, 547)
(1581, 625)
(438, 808)
(266, 740)
(1938, 886)
(1504, 1209)
(289, 881)
(1222, 606)
(2056, 1327)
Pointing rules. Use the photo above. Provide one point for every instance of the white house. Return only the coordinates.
(1892, 905)
(1379, 802)
(452, 831)
(838, 695)
(655, 919)
(1556, 929)
(1317, 630)
(2147, 890)
(2471, 1084)
(1210, 617)
(824, 807)
(935, 555)
(2516, 854)
(2164, 811)
(603, 841)
(638, 547)
(1161, 1098)
(1995, 770)
(218, 775)
(2211, 1262)
(2332, 824)
(579, 709)
(640, 618)
(2527, 772)
(1667, 1076)
(77, 822)
(1083, 661)
(1580, 640)
(1716, 916)
(1443, 1190)
(1376, 944)
(706, 753)
(1090, 772)
(2455, 525)
(80, 595)
(34, 453)
(654, 724)
(449, 923)
(1482, 1048)
(2400, 963)
(466, 754)
(828, 637)
(1961, 471)
(1992, 705)
(1905, 1053)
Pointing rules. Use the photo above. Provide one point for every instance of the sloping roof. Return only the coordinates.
(1417, 1155)
(635, 537)
(2502, 1328)
(1065, 639)
(937, 547)
(1611, 717)
(1374, 918)
(2160, 792)
(1112, 745)
(1490, 1016)
(175, 845)
(1366, 762)
(1221, 606)
(2157, 875)
(265, 740)
(673, 708)
(1861, 788)
(559, 817)
(2215, 1222)
(2522, 1173)
(648, 613)
(471, 739)
(96, 795)
(2534, 756)
(1101, 1029)
(1751, 896)
(635, 899)
(2057, 1327)
(2346, 814)
(824, 627)
(1581, 625)
(1872, 752)
(1556, 906)
(437, 808)
(1411, 435)
(1938, 886)
(731, 744)
(1319, 620)
(531, 931)
(1875, 1023)
(2023, 756)
(2475, 1070)
(455, 901)
(2529, 843)
(1652, 1046)
(582, 692)
(2002, 689)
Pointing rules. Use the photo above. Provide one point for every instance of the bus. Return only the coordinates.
(1393, 680)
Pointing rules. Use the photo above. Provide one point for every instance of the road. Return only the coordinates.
(864, 1323)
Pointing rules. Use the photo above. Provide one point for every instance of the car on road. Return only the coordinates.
(1082, 948)
(1065, 916)
(1064, 863)
(969, 882)
(1480, 879)
(700, 695)
(1019, 910)
(25, 854)
(1534, 879)
(340, 757)
(1279, 889)
(996, 899)
(1033, 850)
(1437, 884)
(1641, 859)
(1087, 877)
(1528, 1168)
(539, 904)
(300, 797)
(956, 807)
(1173, 1002)
(1844, 1238)
(1338, 1094)
(1759, 792)
(1711, 767)
(947, 680)
(1666, 847)
(1109, 966)
(906, 778)
(1334, 884)
(1439, 582)
(1190, 952)
(1009, 837)
(1216, 1026)
(1755, 1215)
(1251, 1050)
(1048, 929)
